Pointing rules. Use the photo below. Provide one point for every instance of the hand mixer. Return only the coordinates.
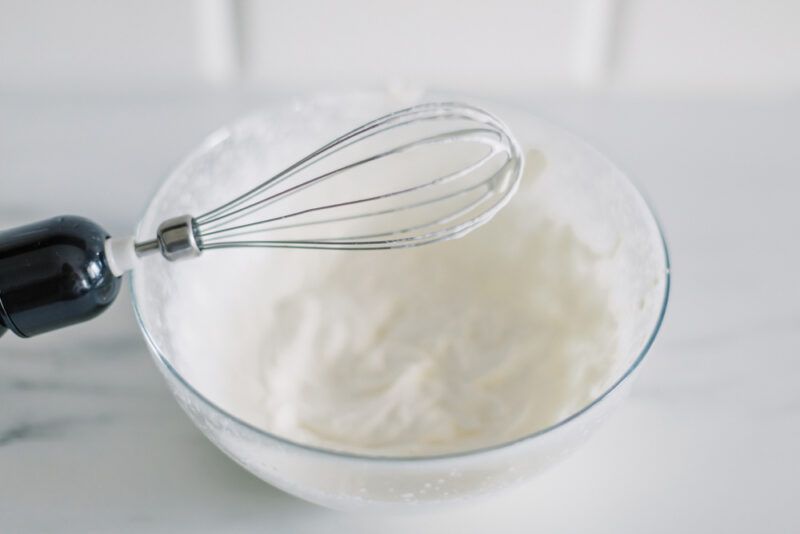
(453, 167)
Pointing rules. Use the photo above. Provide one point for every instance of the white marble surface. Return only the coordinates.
(91, 441)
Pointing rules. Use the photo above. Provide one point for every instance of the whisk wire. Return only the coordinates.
(208, 229)
(230, 232)
(373, 214)
(431, 205)
(440, 111)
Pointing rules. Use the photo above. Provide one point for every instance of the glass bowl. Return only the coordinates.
(582, 188)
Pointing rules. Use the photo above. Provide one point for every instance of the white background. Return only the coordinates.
(651, 46)
(699, 101)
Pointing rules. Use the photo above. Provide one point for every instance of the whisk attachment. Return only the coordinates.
(416, 176)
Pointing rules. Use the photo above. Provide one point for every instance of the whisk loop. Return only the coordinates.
(416, 176)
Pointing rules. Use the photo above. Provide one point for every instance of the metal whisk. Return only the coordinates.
(430, 202)
(420, 175)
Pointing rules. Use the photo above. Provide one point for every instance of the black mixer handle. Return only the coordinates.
(53, 273)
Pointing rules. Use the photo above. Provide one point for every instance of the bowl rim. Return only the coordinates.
(221, 134)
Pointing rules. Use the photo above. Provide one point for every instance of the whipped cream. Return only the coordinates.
(431, 350)
(441, 349)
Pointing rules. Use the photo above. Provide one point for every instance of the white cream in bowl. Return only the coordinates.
(431, 350)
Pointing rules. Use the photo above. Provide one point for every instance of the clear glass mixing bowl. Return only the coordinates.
(582, 187)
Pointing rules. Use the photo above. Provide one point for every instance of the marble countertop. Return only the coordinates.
(91, 440)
